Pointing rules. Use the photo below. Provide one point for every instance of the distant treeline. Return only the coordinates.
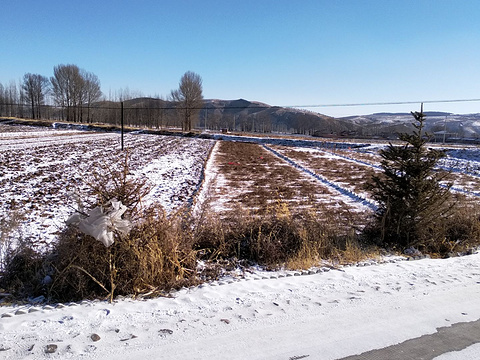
(162, 114)
(73, 94)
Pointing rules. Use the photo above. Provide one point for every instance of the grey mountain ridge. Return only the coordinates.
(454, 126)
(255, 116)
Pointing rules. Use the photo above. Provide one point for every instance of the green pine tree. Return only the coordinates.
(412, 201)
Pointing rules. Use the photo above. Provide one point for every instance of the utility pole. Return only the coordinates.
(206, 115)
(121, 121)
(444, 128)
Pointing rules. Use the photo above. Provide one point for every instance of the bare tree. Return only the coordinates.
(64, 82)
(9, 97)
(36, 88)
(91, 91)
(189, 98)
(12, 95)
(73, 88)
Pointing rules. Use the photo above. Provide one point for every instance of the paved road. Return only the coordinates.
(447, 339)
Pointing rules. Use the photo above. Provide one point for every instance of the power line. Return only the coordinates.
(172, 106)
(383, 103)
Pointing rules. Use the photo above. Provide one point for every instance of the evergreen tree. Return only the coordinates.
(412, 201)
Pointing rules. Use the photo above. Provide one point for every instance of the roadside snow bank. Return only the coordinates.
(326, 315)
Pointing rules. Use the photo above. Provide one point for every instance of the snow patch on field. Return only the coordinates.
(211, 172)
(174, 178)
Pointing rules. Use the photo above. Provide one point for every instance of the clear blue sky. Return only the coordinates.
(294, 52)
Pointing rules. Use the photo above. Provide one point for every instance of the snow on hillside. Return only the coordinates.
(456, 125)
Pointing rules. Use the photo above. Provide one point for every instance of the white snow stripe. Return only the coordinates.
(329, 183)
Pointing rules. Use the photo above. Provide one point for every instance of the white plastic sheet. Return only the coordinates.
(102, 223)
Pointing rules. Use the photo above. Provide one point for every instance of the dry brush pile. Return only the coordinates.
(148, 254)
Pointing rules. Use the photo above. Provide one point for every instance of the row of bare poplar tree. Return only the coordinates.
(70, 88)
(74, 94)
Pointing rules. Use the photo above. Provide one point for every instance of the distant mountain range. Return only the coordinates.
(254, 116)
(438, 124)
(247, 115)
(251, 116)
(385, 125)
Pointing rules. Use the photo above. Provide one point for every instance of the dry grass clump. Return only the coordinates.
(154, 257)
(22, 274)
(277, 238)
(20, 263)
(9, 224)
(460, 231)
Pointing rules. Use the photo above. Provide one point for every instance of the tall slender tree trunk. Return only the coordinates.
(33, 108)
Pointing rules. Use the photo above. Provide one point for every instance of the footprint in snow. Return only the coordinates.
(101, 314)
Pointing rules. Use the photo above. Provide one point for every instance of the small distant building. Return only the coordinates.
(443, 136)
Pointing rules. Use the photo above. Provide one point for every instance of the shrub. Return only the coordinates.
(23, 272)
(154, 257)
(275, 238)
(109, 183)
(156, 254)
(460, 232)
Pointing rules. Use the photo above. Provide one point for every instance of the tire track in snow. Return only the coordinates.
(200, 195)
(325, 181)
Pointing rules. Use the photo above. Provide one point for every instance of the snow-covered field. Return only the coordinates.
(328, 313)
(41, 170)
